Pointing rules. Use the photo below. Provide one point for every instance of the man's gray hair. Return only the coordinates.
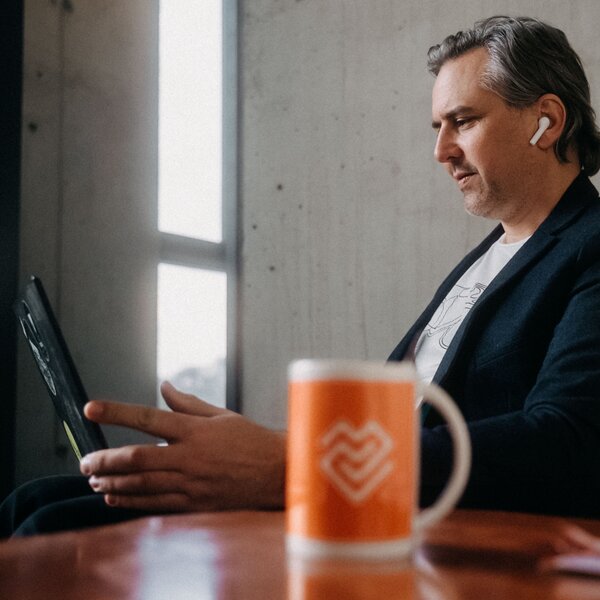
(529, 58)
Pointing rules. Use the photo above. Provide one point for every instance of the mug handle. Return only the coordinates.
(461, 467)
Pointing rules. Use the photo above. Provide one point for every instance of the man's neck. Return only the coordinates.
(547, 194)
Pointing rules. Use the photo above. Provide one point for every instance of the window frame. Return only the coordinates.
(220, 256)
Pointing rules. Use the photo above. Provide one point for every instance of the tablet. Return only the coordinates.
(57, 368)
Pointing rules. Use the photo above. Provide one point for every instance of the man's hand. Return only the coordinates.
(577, 551)
(215, 459)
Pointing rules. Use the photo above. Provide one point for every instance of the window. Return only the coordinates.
(192, 318)
(196, 275)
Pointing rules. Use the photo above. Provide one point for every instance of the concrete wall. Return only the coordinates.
(89, 209)
(347, 225)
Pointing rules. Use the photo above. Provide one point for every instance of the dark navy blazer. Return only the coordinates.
(524, 368)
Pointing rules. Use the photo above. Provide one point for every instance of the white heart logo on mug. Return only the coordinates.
(356, 459)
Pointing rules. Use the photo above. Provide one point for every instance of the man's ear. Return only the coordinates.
(551, 107)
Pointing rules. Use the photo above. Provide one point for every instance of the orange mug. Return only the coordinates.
(353, 456)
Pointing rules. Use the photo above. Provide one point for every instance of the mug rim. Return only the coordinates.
(316, 369)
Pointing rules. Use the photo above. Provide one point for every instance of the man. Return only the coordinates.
(522, 358)
(513, 333)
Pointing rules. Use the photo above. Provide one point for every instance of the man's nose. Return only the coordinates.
(446, 147)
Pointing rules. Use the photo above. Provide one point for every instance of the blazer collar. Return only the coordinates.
(575, 200)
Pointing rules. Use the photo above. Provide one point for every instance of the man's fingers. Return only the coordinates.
(145, 482)
(156, 422)
(581, 538)
(129, 459)
(187, 403)
(157, 503)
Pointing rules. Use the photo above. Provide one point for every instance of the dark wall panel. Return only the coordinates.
(11, 50)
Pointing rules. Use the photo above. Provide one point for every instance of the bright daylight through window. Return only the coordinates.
(192, 301)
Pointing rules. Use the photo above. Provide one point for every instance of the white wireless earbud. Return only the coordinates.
(544, 123)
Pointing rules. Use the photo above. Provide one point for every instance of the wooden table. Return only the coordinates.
(471, 555)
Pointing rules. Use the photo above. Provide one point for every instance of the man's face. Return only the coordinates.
(482, 142)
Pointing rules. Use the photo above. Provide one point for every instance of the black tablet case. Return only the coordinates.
(57, 368)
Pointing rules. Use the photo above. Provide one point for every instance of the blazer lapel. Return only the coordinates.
(405, 348)
(574, 201)
(520, 262)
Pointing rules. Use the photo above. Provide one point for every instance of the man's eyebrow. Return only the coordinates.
(452, 114)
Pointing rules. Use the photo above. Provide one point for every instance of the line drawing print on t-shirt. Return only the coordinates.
(451, 312)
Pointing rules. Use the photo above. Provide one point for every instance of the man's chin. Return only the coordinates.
(476, 206)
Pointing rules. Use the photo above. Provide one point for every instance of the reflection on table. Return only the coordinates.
(470, 555)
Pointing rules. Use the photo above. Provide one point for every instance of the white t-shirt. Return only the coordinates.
(446, 320)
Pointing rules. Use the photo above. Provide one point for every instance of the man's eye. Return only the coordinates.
(463, 122)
